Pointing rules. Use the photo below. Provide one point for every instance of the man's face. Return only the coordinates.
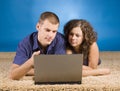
(46, 32)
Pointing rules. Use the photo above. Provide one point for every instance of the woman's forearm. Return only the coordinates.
(95, 72)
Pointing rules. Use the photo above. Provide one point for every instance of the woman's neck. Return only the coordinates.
(76, 49)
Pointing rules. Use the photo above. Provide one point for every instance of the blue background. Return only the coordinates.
(18, 18)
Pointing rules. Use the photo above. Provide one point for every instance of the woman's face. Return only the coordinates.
(75, 37)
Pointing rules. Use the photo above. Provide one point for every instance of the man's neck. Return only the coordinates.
(43, 48)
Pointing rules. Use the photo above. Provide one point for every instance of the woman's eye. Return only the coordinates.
(71, 34)
(78, 35)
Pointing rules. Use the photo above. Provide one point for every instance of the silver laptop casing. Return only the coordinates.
(58, 69)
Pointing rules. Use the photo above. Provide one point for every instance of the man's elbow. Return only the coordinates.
(13, 77)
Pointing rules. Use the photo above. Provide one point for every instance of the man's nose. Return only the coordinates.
(50, 34)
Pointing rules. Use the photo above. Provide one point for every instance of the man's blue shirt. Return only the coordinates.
(30, 44)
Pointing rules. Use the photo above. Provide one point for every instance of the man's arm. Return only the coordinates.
(31, 72)
(18, 71)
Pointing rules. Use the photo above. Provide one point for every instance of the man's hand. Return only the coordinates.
(32, 57)
(31, 72)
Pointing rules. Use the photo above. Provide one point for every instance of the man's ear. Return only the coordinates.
(38, 26)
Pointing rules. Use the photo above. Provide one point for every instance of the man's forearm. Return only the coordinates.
(21, 71)
(31, 72)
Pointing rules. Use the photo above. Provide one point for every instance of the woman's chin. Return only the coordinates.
(74, 45)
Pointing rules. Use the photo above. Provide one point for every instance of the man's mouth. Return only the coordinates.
(48, 39)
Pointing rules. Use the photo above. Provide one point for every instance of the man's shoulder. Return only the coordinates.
(59, 35)
(59, 39)
(31, 35)
(29, 38)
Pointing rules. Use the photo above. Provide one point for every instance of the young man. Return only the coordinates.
(45, 41)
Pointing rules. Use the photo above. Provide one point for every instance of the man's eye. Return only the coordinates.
(47, 30)
(54, 31)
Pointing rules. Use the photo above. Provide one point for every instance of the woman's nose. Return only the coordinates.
(73, 37)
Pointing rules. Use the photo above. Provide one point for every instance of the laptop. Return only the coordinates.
(58, 69)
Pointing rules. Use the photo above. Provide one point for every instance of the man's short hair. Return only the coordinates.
(52, 17)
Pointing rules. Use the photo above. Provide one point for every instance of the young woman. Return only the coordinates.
(81, 38)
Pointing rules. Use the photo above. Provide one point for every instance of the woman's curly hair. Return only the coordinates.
(89, 36)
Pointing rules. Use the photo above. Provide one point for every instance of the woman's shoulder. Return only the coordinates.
(94, 45)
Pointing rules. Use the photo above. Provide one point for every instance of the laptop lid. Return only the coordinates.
(58, 69)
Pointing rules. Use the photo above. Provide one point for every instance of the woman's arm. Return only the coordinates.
(93, 56)
(91, 70)
(95, 72)
(68, 51)
(84, 67)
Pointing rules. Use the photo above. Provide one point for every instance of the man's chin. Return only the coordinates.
(48, 43)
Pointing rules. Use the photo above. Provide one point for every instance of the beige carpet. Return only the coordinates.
(92, 83)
